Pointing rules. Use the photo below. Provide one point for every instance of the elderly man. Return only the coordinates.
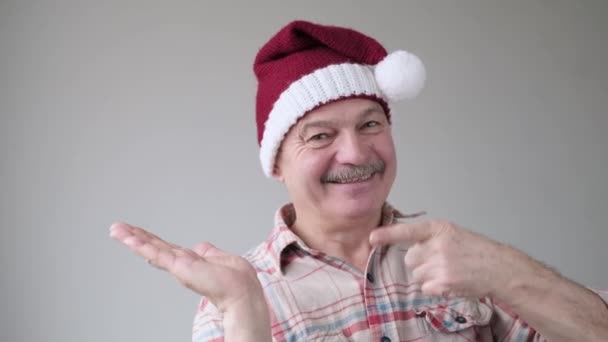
(339, 266)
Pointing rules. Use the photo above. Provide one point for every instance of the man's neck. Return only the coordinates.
(347, 239)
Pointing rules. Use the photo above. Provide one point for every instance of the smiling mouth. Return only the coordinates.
(353, 180)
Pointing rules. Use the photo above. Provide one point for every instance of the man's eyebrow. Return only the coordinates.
(329, 124)
(315, 124)
(371, 110)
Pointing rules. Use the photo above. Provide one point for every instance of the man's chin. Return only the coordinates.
(357, 208)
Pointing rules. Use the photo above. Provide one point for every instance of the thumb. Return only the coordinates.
(402, 233)
(205, 250)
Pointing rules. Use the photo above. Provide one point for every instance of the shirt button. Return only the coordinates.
(385, 339)
(460, 319)
(370, 277)
(421, 314)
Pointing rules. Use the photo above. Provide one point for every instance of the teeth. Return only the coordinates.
(353, 180)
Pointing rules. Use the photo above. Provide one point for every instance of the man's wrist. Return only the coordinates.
(248, 321)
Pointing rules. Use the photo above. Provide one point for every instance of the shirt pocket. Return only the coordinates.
(459, 315)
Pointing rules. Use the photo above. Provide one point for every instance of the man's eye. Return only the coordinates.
(319, 136)
(371, 124)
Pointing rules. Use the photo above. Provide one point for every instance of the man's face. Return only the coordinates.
(339, 160)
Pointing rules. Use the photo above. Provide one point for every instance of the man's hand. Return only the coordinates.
(447, 260)
(228, 281)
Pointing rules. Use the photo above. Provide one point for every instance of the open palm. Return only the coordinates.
(225, 279)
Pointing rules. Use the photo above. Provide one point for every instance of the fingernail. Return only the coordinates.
(372, 240)
(114, 226)
(130, 241)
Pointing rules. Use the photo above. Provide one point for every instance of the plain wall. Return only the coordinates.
(143, 111)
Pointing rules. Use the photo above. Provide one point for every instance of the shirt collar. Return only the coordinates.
(282, 237)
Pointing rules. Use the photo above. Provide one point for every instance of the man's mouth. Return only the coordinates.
(358, 179)
(354, 174)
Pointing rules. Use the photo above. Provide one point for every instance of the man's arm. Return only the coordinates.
(447, 260)
(247, 322)
(558, 308)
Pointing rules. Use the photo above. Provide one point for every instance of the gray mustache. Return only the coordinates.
(353, 172)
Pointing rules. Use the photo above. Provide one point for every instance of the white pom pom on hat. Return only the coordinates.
(400, 75)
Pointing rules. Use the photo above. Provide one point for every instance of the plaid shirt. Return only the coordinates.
(315, 297)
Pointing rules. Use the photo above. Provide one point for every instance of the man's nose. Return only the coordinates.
(352, 149)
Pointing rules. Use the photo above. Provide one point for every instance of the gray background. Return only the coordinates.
(144, 112)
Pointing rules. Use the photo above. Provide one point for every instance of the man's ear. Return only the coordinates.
(277, 174)
(277, 170)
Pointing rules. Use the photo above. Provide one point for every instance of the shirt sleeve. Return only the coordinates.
(207, 325)
(507, 326)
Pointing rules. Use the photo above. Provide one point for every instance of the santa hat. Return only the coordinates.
(306, 65)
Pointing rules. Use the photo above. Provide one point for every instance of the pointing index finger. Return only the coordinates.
(402, 233)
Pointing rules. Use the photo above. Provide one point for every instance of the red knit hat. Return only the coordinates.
(306, 65)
